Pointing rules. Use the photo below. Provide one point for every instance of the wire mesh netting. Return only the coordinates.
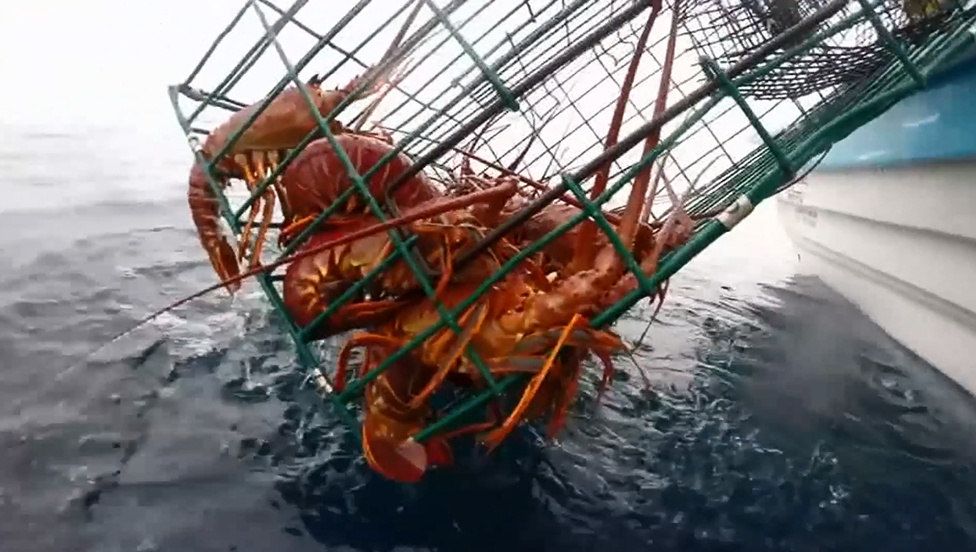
(540, 167)
(728, 31)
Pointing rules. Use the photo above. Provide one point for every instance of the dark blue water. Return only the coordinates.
(777, 417)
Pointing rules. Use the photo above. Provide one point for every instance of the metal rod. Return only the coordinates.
(653, 125)
(543, 73)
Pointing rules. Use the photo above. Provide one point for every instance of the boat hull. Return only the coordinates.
(903, 249)
(889, 222)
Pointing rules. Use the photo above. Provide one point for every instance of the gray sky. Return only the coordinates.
(106, 64)
(83, 61)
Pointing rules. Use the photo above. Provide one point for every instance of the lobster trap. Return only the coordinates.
(715, 104)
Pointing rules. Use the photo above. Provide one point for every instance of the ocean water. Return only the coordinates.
(777, 417)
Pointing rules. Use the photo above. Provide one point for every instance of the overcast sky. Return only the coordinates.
(106, 64)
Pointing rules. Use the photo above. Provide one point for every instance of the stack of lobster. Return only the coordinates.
(533, 321)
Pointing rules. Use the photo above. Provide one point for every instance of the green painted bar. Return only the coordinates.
(713, 70)
(464, 408)
(891, 43)
(622, 249)
(491, 75)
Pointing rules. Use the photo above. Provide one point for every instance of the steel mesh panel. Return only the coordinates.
(726, 31)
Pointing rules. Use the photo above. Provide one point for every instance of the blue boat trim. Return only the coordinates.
(935, 124)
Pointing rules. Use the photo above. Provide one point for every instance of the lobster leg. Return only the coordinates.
(360, 340)
(447, 265)
(608, 372)
(246, 232)
(293, 229)
(494, 437)
(493, 415)
(274, 158)
(250, 179)
(571, 382)
(472, 321)
(447, 271)
(268, 212)
(357, 315)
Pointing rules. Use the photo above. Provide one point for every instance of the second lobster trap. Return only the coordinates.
(479, 189)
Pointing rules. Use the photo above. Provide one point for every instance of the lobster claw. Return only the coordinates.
(404, 461)
(391, 453)
(389, 424)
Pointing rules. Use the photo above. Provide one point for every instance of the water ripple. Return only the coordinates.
(773, 417)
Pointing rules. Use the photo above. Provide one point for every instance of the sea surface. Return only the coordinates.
(775, 417)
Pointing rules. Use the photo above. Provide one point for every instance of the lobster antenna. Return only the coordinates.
(360, 119)
(403, 30)
(536, 133)
(518, 159)
(433, 209)
(585, 253)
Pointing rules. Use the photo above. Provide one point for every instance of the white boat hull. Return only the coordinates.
(900, 243)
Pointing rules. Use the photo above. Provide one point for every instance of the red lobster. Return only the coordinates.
(279, 128)
(525, 323)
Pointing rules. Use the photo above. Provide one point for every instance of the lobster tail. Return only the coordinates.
(204, 209)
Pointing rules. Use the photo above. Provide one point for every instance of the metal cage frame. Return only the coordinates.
(723, 201)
